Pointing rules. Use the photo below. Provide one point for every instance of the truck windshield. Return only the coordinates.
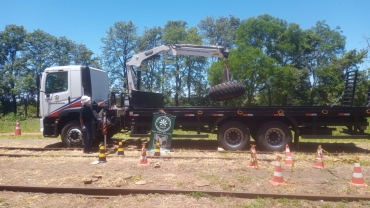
(56, 82)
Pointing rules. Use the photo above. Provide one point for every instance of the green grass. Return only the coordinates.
(29, 126)
(198, 194)
(33, 126)
(258, 203)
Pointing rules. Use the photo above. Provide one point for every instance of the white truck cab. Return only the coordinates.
(61, 89)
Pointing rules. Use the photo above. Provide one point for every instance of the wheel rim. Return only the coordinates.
(74, 136)
(275, 137)
(233, 137)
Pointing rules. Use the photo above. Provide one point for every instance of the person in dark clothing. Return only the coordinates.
(86, 120)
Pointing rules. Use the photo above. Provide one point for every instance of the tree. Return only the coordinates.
(151, 74)
(12, 46)
(195, 76)
(331, 78)
(265, 59)
(305, 62)
(62, 51)
(81, 55)
(248, 65)
(185, 70)
(321, 46)
(119, 46)
(220, 31)
(37, 56)
(174, 33)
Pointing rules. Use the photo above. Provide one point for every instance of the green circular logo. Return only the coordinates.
(163, 123)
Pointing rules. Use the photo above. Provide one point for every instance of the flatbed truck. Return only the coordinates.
(272, 127)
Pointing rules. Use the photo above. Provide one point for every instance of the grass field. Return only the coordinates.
(33, 126)
(27, 126)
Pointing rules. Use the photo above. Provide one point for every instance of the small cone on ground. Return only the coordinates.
(253, 159)
(17, 131)
(157, 151)
(121, 150)
(277, 179)
(357, 178)
(319, 163)
(288, 156)
(143, 158)
(102, 156)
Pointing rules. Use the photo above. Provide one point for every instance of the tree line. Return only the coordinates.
(278, 62)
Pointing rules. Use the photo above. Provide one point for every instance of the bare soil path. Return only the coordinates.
(194, 174)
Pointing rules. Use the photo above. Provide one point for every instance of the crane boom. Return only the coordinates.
(175, 49)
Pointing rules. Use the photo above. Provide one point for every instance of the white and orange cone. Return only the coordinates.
(277, 179)
(319, 163)
(357, 178)
(288, 156)
(143, 158)
(17, 131)
(253, 159)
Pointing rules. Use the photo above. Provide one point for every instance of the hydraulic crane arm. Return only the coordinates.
(176, 49)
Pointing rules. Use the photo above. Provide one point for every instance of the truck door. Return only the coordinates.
(57, 92)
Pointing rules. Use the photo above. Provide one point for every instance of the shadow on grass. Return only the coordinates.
(55, 145)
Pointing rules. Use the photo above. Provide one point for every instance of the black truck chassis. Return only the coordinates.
(271, 127)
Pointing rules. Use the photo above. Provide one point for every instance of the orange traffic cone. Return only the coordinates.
(253, 159)
(357, 179)
(17, 129)
(277, 179)
(288, 156)
(319, 163)
(143, 158)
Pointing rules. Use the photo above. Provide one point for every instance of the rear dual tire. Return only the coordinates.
(233, 135)
(273, 136)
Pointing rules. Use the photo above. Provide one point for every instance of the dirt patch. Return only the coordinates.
(205, 170)
(10, 199)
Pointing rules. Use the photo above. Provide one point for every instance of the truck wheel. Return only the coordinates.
(226, 91)
(72, 134)
(274, 135)
(233, 135)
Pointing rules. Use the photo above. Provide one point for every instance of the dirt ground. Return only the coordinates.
(212, 172)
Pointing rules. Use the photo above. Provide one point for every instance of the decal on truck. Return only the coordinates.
(73, 104)
(56, 97)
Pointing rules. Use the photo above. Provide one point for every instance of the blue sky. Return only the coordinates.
(86, 21)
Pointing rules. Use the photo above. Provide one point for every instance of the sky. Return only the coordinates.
(86, 21)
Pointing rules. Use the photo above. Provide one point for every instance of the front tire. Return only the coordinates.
(233, 135)
(72, 134)
(274, 135)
